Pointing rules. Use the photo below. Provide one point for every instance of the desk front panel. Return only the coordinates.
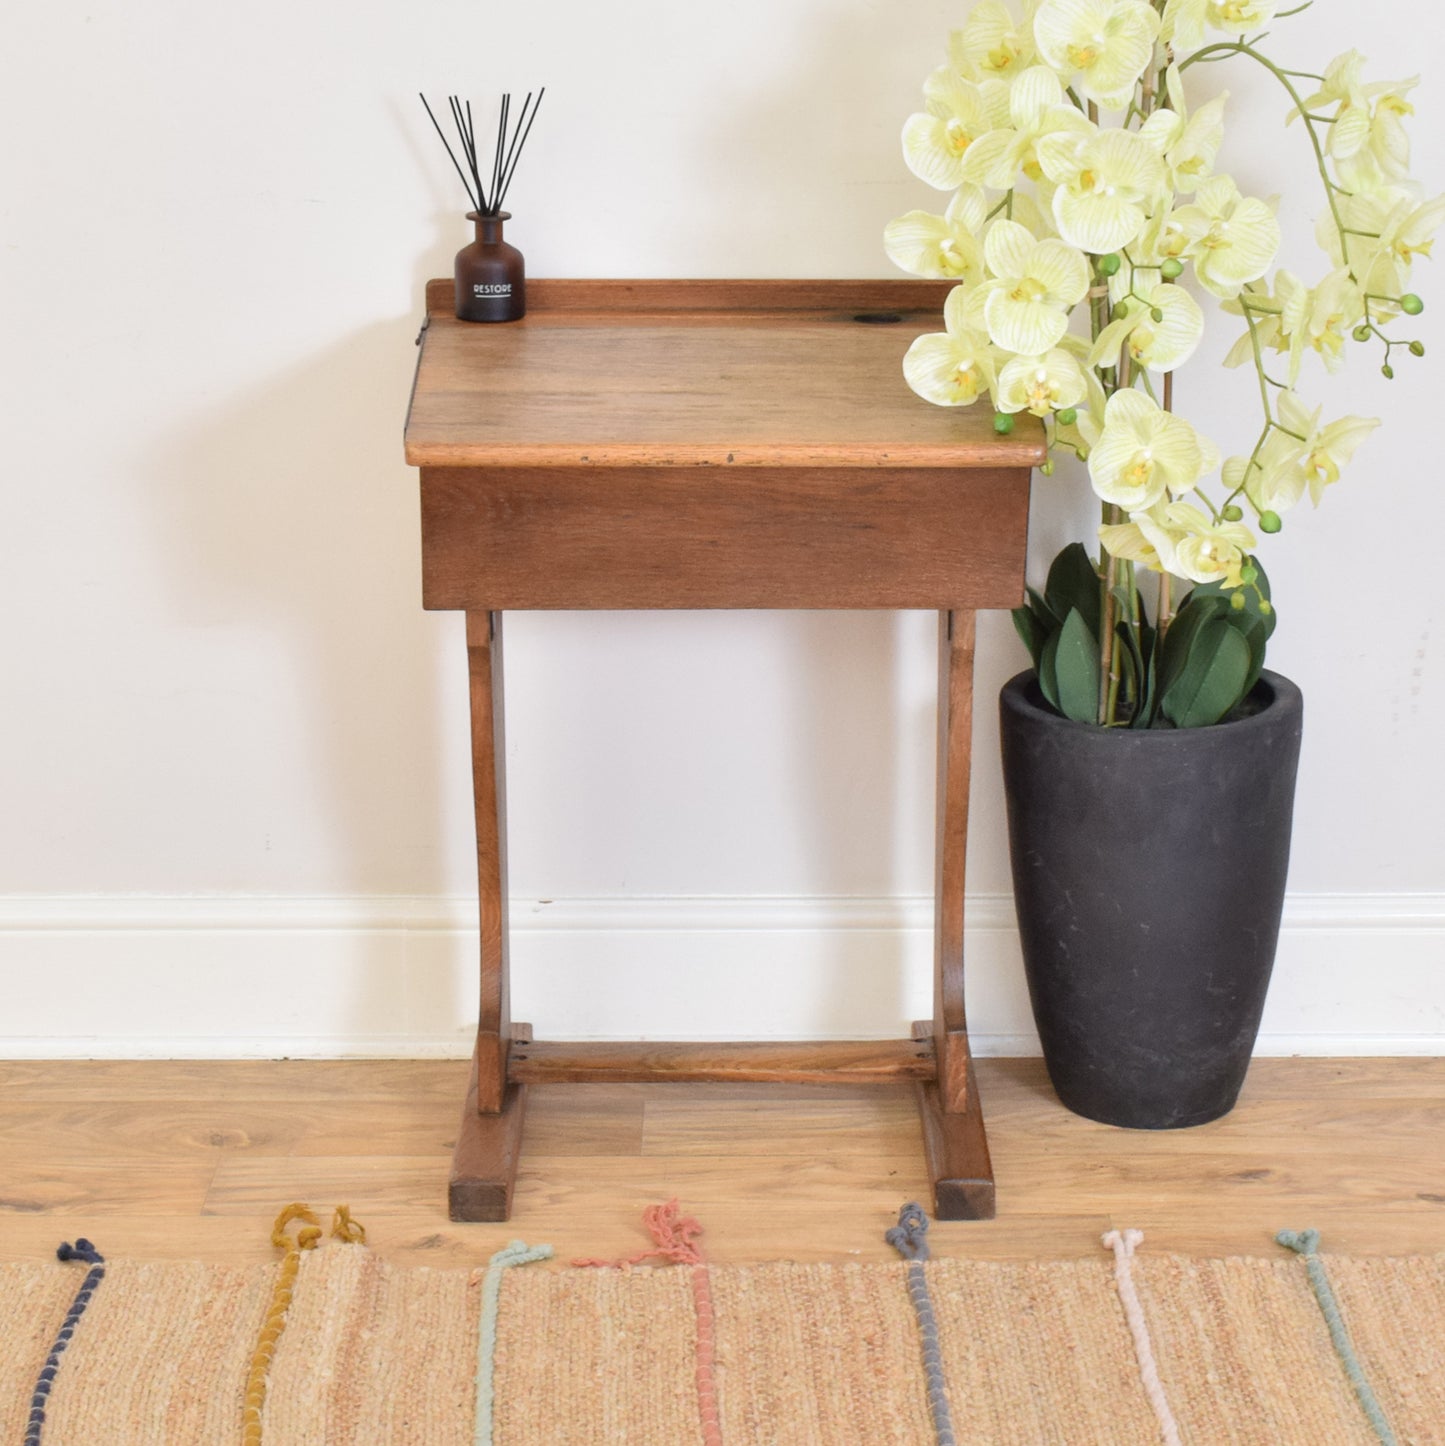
(706, 537)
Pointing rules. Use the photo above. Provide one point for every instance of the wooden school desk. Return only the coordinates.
(711, 444)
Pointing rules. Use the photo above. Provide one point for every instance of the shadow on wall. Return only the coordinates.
(292, 520)
(792, 144)
(848, 747)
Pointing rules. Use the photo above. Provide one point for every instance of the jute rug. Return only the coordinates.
(1305, 1348)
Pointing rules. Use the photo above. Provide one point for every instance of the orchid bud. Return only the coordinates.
(1417, 348)
(1236, 601)
(1249, 574)
(1171, 268)
(1003, 423)
(1232, 513)
(1388, 372)
(1067, 417)
(1269, 522)
(1109, 265)
(1361, 332)
(1411, 304)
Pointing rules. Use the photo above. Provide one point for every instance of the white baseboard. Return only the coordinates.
(263, 977)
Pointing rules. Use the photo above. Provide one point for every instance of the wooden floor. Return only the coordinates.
(194, 1160)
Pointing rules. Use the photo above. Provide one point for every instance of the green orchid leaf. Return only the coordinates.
(1179, 640)
(1256, 634)
(1212, 681)
(1032, 631)
(1133, 676)
(1253, 594)
(1076, 669)
(1147, 711)
(1262, 581)
(1073, 583)
(1148, 642)
(1147, 705)
(1128, 669)
(1042, 611)
(1047, 671)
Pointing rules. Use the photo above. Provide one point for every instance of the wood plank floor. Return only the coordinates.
(180, 1159)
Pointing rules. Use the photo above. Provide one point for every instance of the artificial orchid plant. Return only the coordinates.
(1059, 218)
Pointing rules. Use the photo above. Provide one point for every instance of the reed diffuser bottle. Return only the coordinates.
(490, 277)
(491, 280)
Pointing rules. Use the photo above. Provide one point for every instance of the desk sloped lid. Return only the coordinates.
(695, 373)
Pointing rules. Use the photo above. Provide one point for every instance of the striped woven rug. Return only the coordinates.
(333, 1346)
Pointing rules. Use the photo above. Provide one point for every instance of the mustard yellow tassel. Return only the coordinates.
(308, 1237)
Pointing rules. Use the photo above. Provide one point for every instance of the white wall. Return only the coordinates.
(233, 749)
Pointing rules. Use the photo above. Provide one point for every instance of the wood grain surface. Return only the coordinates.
(738, 375)
(190, 1159)
(956, 633)
(689, 538)
(852, 1061)
(639, 295)
(489, 806)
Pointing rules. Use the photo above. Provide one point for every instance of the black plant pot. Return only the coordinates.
(1149, 871)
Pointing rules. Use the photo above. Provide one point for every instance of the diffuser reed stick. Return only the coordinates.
(487, 200)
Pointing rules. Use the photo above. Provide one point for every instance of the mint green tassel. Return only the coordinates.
(1306, 1243)
(517, 1253)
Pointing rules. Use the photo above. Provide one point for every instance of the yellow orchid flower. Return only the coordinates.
(1321, 318)
(1239, 17)
(1027, 213)
(1177, 537)
(1162, 239)
(1144, 453)
(1035, 283)
(992, 45)
(1367, 141)
(1397, 225)
(1372, 147)
(1182, 26)
(1188, 142)
(1203, 551)
(1233, 238)
(1100, 46)
(1184, 20)
(1341, 82)
(1130, 543)
(1298, 455)
(1323, 450)
(1040, 384)
(1037, 108)
(943, 246)
(1267, 309)
(1105, 182)
(1275, 481)
(956, 112)
(955, 367)
(1299, 317)
(1159, 345)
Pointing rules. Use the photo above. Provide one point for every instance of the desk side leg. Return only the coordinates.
(953, 1131)
(484, 1163)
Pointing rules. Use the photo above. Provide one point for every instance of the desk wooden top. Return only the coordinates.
(695, 373)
